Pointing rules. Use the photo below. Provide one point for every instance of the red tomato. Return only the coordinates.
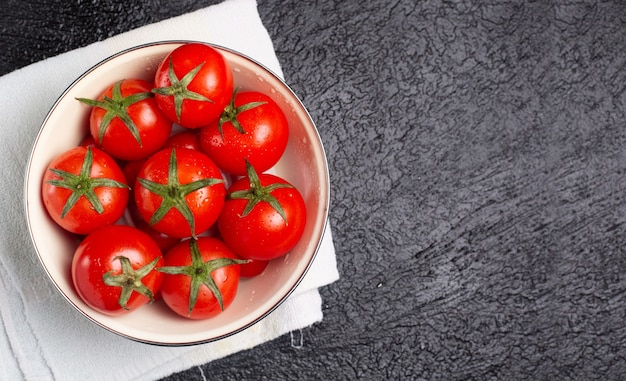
(113, 269)
(131, 169)
(165, 242)
(193, 84)
(253, 268)
(126, 122)
(89, 141)
(252, 127)
(184, 139)
(179, 192)
(84, 189)
(201, 277)
(263, 217)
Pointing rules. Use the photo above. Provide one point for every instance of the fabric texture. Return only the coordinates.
(43, 337)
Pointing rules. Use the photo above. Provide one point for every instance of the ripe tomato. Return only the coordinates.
(131, 169)
(179, 192)
(193, 84)
(84, 189)
(253, 268)
(201, 277)
(126, 122)
(263, 217)
(89, 141)
(113, 269)
(252, 127)
(184, 139)
(165, 242)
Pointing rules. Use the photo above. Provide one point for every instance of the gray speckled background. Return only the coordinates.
(477, 160)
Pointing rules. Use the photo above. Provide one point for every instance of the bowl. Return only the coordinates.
(303, 164)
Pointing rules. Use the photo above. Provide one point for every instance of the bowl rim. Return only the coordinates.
(325, 206)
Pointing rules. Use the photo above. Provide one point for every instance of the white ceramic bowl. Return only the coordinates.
(303, 164)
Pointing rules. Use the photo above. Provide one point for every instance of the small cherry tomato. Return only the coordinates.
(253, 268)
(126, 122)
(193, 84)
(84, 189)
(201, 277)
(89, 141)
(184, 139)
(179, 192)
(263, 217)
(253, 128)
(113, 269)
(131, 169)
(163, 241)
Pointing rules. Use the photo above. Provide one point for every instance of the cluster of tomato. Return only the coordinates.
(169, 192)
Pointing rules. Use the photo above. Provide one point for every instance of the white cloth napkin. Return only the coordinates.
(42, 337)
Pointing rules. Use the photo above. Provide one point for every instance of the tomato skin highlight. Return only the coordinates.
(82, 217)
(214, 81)
(175, 289)
(265, 137)
(97, 254)
(205, 203)
(263, 234)
(153, 126)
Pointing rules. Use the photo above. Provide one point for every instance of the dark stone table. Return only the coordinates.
(478, 167)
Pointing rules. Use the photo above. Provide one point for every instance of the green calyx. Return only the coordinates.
(130, 280)
(117, 107)
(178, 89)
(200, 273)
(83, 185)
(258, 193)
(231, 113)
(173, 193)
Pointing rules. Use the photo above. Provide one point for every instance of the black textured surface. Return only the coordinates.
(478, 170)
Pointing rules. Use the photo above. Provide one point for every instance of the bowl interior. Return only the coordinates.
(303, 164)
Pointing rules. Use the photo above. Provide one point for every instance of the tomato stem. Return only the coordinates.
(231, 112)
(130, 280)
(259, 193)
(178, 88)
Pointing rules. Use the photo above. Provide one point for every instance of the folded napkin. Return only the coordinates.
(43, 337)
